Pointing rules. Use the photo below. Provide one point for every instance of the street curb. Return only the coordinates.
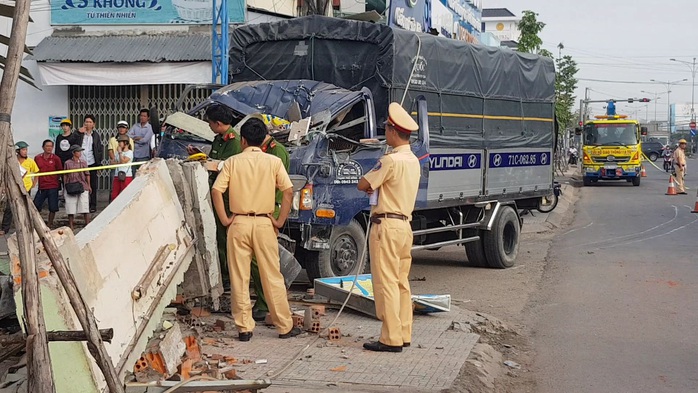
(570, 195)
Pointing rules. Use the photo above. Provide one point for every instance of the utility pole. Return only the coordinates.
(692, 66)
(38, 359)
(668, 98)
(220, 48)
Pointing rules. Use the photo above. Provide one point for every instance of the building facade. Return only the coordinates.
(502, 24)
(111, 58)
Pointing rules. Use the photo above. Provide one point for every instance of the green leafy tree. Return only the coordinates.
(565, 84)
(530, 28)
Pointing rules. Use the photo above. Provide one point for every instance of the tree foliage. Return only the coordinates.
(530, 28)
(565, 84)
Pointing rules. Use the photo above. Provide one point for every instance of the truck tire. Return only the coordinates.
(636, 181)
(475, 251)
(501, 244)
(586, 181)
(347, 244)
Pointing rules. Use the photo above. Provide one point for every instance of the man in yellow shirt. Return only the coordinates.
(680, 163)
(251, 178)
(26, 166)
(396, 180)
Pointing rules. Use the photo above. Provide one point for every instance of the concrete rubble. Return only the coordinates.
(128, 263)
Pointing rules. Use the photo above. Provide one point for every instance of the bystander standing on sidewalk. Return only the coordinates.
(113, 144)
(77, 188)
(91, 142)
(26, 166)
(65, 140)
(142, 133)
(122, 175)
(48, 185)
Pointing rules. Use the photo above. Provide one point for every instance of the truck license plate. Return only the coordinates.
(610, 166)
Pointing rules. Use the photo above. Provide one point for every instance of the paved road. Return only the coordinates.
(618, 309)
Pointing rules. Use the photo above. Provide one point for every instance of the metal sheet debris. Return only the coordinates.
(337, 288)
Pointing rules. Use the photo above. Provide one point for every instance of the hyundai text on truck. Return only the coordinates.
(485, 142)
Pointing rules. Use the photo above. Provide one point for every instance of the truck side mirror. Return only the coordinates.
(577, 131)
(643, 131)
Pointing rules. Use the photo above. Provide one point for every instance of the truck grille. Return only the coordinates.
(619, 159)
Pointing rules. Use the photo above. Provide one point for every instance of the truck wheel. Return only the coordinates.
(586, 181)
(475, 251)
(501, 244)
(636, 181)
(347, 244)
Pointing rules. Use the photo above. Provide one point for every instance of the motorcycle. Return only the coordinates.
(549, 203)
(668, 160)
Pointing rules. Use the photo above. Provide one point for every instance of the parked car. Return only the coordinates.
(652, 149)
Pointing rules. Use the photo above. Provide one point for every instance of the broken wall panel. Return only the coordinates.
(141, 240)
(205, 228)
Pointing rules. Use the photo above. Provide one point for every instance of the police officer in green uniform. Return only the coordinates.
(225, 144)
(270, 146)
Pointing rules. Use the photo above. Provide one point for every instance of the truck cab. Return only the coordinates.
(611, 150)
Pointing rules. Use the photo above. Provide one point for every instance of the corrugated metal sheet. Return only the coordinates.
(125, 49)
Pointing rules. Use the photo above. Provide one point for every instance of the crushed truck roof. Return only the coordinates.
(276, 97)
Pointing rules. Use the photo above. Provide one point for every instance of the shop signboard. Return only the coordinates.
(458, 19)
(141, 12)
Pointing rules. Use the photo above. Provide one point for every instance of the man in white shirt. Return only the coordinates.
(93, 154)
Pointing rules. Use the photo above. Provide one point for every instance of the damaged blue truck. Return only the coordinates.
(485, 143)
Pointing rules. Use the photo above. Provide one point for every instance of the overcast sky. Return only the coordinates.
(622, 40)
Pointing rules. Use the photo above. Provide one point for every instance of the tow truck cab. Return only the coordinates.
(612, 149)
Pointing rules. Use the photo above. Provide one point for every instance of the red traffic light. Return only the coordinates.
(645, 100)
(581, 123)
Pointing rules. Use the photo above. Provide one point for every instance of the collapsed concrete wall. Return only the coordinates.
(127, 263)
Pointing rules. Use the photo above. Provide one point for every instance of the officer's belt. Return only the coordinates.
(376, 218)
(252, 214)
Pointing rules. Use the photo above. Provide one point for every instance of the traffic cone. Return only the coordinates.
(643, 173)
(672, 188)
(695, 207)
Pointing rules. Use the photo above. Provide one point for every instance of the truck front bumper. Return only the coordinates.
(619, 173)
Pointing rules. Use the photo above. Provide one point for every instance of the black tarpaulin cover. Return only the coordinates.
(478, 96)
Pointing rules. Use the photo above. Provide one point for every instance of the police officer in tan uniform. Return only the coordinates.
(396, 180)
(680, 163)
(251, 179)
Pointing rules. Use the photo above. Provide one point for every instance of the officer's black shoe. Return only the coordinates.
(259, 315)
(245, 336)
(293, 333)
(406, 345)
(378, 346)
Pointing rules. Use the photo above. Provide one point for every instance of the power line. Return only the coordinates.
(628, 82)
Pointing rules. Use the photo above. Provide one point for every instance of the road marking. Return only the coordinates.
(676, 214)
(578, 229)
(651, 237)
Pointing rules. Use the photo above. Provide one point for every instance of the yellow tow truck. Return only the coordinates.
(611, 149)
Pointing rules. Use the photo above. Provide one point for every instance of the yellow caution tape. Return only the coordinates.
(97, 168)
(650, 161)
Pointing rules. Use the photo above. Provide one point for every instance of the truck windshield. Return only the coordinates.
(611, 134)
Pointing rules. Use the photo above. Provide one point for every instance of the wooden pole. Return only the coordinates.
(59, 335)
(39, 361)
(87, 320)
